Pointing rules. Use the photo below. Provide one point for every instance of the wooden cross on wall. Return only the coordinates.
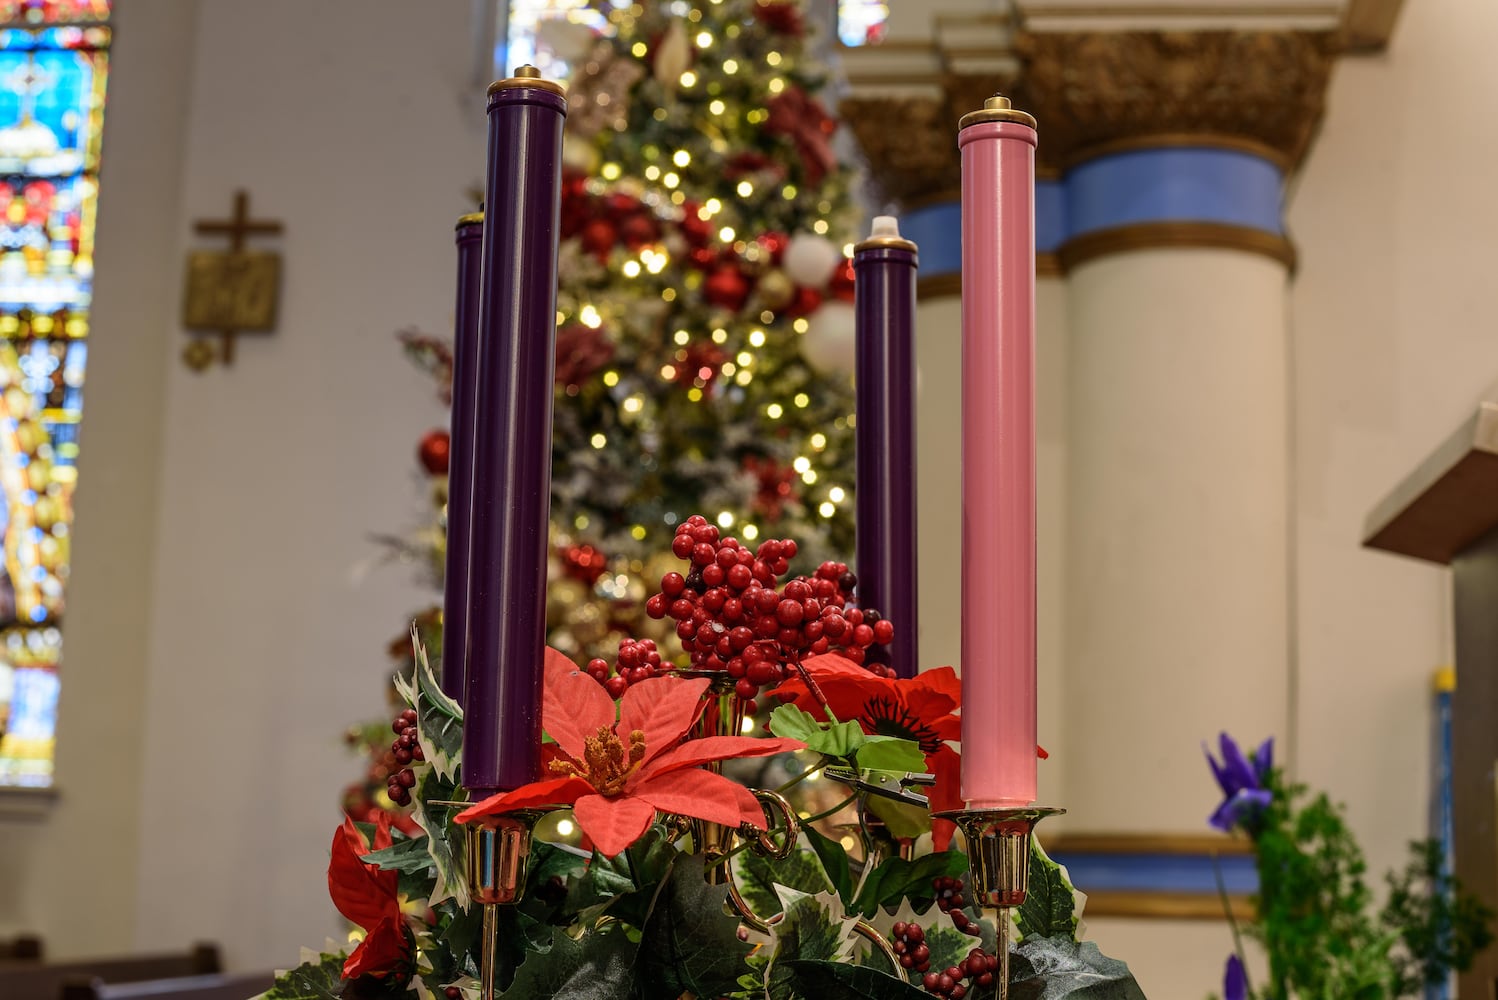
(230, 292)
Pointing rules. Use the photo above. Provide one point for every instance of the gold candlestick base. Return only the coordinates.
(498, 854)
(998, 852)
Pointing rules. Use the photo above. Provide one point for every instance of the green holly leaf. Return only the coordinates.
(814, 928)
(1050, 904)
(623, 885)
(834, 862)
(444, 838)
(948, 945)
(599, 966)
(408, 855)
(319, 980)
(1059, 968)
(838, 981)
(689, 943)
(439, 719)
(757, 876)
(835, 739)
(897, 878)
(891, 753)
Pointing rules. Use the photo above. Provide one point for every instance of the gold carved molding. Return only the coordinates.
(1167, 235)
(1101, 92)
(1094, 90)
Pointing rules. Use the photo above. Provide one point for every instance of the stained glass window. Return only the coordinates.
(53, 60)
(861, 22)
(547, 33)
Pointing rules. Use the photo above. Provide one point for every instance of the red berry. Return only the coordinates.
(746, 689)
(739, 576)
(797, 590)
(672, 584)
(681, 546)
(656, 606)
(884, 631)
(862, 635)
(790, 611)
(615, 686)
(713, 575)
(702, 554)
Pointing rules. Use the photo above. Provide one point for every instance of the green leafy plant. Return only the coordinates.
(1315, 916)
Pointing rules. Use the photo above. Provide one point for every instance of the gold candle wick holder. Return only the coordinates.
(998, 854)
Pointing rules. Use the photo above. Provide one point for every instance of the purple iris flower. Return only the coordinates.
(1244, 791)
(1234, 980)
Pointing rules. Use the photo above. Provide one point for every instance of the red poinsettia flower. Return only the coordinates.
(617, 773)
(367, 895)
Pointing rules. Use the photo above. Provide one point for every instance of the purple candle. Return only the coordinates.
(460, 462)
(884, 267)
(512, 435)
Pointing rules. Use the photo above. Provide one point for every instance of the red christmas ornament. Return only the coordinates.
(841, 282)
(434, 451)
(806, 302)
(599, 237)
(638, 230)
(780, 16)
(702, 258)
(696, 229)
(726, 287)
(581, 351)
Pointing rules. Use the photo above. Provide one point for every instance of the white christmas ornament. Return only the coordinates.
(673, 56)
(827, 344)
(579, 154)
(810, 259)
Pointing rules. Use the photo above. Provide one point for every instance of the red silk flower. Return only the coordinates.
(367, 896)
(617, 774)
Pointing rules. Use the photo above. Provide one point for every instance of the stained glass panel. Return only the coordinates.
(53, 62)
(545, 33)
(861, 22)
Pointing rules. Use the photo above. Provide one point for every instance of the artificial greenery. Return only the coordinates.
(1315, 914)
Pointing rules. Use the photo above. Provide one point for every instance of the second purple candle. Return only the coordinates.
(884, 267)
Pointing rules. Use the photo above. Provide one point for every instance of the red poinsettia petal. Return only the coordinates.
(612, 823)
(932, 693)
(1041, 753)
(554, 791)
(383, 838)
(362, 893)
(711, 748)
(573, 705)
(663, 708)
(946, 794)
(702, 795)
(383, 949)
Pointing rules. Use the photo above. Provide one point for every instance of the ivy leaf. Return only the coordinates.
(600, 966)
(1058, 968)
(757, 876)
(439, 719)
(897, 878)
(891, 753)
(442, 835)
(689, 944)
(623, 885)
(834, 862)
(837, 981)
(835, 739)
(814, 928)
(402, 856)
(320, 980)
(1050, 904)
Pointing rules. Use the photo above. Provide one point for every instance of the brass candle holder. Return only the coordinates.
(498, 855)
(998, 853)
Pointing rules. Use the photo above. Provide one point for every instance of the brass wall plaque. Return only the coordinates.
(231, 291)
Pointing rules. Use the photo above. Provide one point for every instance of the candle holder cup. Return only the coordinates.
(997, 845)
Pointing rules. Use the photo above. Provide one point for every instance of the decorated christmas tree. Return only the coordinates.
(705, 325)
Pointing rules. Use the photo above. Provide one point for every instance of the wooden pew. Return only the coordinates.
(32, 980)
(236, 986)
(21, 948)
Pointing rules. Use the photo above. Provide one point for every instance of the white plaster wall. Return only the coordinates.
(351, 122)
(1397, 223)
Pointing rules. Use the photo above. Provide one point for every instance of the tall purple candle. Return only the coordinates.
(460, 460)
(884, 267)
(512, 435)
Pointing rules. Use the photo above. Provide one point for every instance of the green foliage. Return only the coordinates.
(1061, 968)
(439, 720)
(689, 943)
(896, 878)
(841, 981)
(1049, 908)
(319, 977)
(1315, 916)
(757, 877)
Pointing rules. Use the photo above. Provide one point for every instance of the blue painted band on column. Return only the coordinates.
(937, 230)
(1192, 873)
(1153, 185)
(1175, 185)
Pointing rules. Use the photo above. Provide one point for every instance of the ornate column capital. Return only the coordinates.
(1099, 92)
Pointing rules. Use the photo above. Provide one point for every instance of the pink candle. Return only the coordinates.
(998, 456)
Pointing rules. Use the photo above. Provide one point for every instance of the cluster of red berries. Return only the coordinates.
(405, 749)
(975, 971)
(729, 616)
(950, 900)
(638, 660)
(910, 944)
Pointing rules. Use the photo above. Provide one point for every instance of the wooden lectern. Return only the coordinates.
(1446, 512)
